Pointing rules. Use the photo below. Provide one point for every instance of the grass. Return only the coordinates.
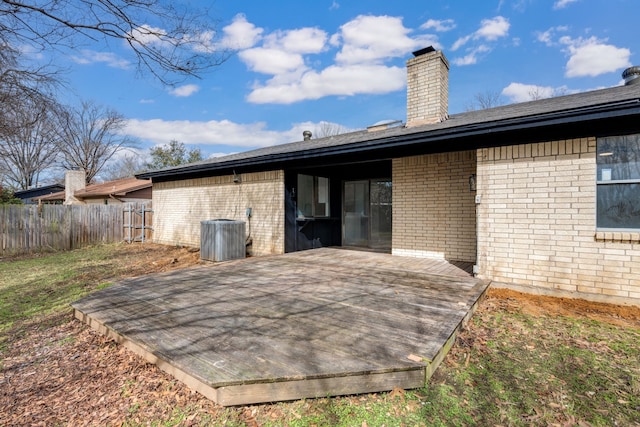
(37, 286)
(506, 368)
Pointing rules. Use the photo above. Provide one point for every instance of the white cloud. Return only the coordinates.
(547, 37)
(493, 29)
(334, 80)
(520, 92)
(240, 34)
(490, 30)
(184, 91)
(373, 39)
(147, 101)
(271, 61)
(88, 57)
(472, 57)
(561, 4)
(215, 133)
(593, 57)
(303, 40)
(440, 25)
(282, 51)
(363, 46)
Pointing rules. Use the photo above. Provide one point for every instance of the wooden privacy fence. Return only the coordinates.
(32, 228)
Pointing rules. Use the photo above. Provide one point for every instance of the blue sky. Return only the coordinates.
(298, 63)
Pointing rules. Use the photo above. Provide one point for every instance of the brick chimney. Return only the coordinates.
(427, 87)
(74, 180)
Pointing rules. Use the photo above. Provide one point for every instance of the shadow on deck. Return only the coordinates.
(307, 324)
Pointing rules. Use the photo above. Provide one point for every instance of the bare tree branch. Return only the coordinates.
(124, 165)
(169, 42)
(484, 100)
(90, 138)
(28, 144)
(325, 129)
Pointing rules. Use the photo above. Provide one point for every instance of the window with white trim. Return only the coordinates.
(618, 183)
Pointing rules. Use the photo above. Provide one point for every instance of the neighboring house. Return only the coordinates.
(127, 190)
(29, 196)
(542, 196)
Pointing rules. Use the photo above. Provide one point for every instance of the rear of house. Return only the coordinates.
(542, 196)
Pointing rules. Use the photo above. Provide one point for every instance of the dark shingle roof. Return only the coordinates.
(613, 101)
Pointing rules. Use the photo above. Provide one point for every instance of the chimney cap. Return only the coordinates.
(422, 51)
(307, 135)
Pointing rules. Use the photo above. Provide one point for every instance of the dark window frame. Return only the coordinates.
(310, 204)
(618, 183)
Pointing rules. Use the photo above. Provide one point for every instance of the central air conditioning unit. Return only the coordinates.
(222, 240)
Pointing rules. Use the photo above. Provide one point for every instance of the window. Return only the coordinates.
(313, 196)
(618, 183)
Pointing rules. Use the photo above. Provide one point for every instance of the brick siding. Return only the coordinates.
(433, 208)
(179, 206)
(537, 224)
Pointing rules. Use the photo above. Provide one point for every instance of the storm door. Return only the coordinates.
(367, 214)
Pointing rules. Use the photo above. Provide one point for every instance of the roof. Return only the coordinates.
(53, 197)
(38, 191)
(117, 188)
(582, 114)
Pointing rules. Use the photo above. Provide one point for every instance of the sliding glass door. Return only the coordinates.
(367, 214)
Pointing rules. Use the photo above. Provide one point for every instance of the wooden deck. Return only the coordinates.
(306, 324)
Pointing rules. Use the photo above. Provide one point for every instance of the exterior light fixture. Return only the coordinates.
(472, 182)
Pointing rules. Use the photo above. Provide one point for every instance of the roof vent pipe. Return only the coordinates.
(631, 76)
(306, 135)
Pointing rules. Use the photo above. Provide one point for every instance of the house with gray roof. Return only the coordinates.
(541, 196)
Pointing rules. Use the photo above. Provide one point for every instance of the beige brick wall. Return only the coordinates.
(537, 229)
(433, 209)
(179, 206)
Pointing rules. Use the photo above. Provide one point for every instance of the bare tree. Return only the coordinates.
(123, 166)
(28, 143)
(484, 100)
(542, 93)
(166, 38)
(325, 129)
(89, 137)
(536, 94)
(21, 86)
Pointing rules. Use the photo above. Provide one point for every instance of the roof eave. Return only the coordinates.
(540, 121)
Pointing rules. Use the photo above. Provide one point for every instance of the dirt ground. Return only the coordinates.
(540, 305)
(68, 374)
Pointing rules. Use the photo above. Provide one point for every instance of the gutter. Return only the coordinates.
(620, 109)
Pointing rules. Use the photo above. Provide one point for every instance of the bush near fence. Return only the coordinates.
(33, 228)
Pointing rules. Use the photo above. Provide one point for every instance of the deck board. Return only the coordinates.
(308, 324)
